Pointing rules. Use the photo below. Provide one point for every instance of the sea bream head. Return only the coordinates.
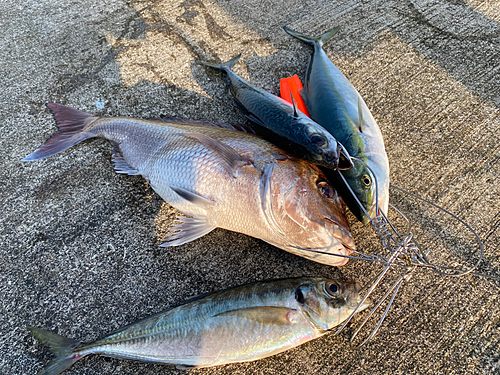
(307, 214)
(327, 302)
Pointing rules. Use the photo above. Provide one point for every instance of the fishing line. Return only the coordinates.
(405, 254)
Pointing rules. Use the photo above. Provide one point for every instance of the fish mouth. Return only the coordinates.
(345, 162)
(354, 299)
(344, 236)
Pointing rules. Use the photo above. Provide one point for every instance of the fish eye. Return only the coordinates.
(325, 189)
(332, 289)
(318, 140)
(367, 181)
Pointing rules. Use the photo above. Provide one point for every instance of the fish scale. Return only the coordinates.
(255, 321)
(219, 178)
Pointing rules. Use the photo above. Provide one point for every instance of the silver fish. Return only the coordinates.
(255, 321)
(288, 127)
(335, 104)
(219, 178)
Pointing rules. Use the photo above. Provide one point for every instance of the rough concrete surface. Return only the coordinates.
(78, 242)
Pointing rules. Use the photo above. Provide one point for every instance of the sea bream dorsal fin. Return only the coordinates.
(230, 159)
(223, 125)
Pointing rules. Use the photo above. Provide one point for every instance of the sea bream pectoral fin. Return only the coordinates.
(229, 157)
(194, 198)
(266, 315)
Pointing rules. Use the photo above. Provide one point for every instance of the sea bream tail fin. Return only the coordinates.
(312, 40)
(71, 124)
(60, 346)
(226, 66)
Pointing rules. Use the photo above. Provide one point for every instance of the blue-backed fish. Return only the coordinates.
(219, 178)
(291, 130)
(335, 104)
(242, 324)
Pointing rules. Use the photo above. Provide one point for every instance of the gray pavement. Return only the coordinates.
(78, 242)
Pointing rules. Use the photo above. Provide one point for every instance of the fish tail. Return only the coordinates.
(61, 347)
(312, 40)
(226, 66)
(71, 124)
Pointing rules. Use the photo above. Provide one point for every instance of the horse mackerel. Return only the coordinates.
(255, 320)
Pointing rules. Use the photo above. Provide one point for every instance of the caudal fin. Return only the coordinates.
(228, 65)
(70, 123)
(312, 40)
(60, 346)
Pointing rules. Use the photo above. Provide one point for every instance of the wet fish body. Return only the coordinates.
(219, 178)
(293, 131)
(255, 321)
(335, 104)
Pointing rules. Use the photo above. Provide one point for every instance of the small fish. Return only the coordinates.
(241, 324)
(335, 104)
(219, 178)
(291, 130)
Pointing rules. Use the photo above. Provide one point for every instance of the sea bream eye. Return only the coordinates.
(332, 289)
(325, 189)
(318, 140)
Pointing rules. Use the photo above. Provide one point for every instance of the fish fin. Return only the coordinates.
(295, 113)
(194, 198)
(222, 125)
(186, 230)
(60, 346)
(70, 124)
(228, 65)
(183, 121)
(360, 115)
(304, 96)
(231, 160)
(121, 165)
(187, 367)
(267, 315)
(256, 120)
(312, 40)
(243, 128)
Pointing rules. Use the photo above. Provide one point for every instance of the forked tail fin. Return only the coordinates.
(70, 123)
(60, 346)
(312, 40)
(228, 65)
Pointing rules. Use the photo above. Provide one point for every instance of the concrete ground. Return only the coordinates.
(78, 242)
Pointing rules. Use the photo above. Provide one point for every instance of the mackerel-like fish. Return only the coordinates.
(335, 104)
(219, 178)
(293, 131)
(242, 324)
